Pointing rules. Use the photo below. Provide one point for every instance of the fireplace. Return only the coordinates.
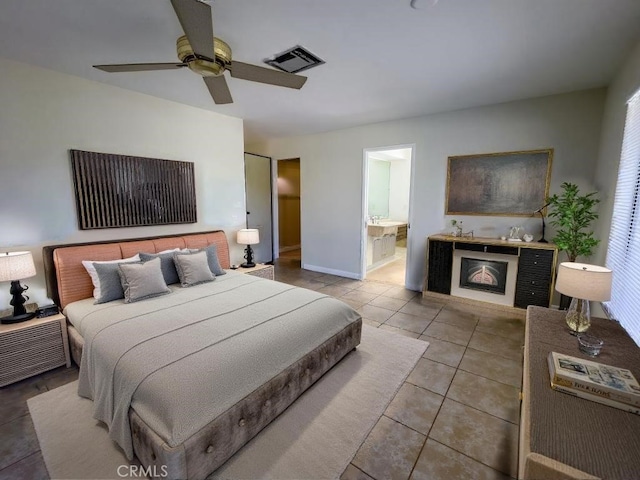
(483, 275)
(486, 276)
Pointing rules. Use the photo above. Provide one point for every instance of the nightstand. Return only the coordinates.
(260, 270)
(33, 347)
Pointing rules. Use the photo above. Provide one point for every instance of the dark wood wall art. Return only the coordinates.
(124, 191)
(508, 183)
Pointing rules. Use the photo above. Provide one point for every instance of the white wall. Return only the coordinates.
(399, 189)
(331, 169)
(624, 85)
(45, 113)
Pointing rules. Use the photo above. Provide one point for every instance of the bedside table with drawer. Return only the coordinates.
(260, 270)
(32, 347)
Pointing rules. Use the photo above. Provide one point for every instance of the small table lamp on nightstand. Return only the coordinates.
(583, 282)
(16, 266)
(248, 237)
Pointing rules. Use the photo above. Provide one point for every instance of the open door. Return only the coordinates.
(257, 170)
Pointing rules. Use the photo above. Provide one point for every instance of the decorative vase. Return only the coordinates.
(578, 316)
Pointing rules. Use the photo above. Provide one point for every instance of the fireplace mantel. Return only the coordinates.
(535, 264)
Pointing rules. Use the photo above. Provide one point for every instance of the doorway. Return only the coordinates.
(386, 210)
(257, 174)
(289, 230)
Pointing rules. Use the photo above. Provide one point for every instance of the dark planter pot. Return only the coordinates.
(564, 302)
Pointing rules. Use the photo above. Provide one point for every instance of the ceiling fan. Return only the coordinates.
(208, 56)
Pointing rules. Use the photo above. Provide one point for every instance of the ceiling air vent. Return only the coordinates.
(294, 60)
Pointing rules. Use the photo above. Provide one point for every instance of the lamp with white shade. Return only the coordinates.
(16, 266)
(584, 283)
(248, 237)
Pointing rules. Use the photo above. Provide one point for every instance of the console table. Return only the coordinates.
(566, 437)
(536, 265)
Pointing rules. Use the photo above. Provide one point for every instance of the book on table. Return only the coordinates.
(594, 381)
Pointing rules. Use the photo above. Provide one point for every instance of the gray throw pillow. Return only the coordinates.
(167, 266)
(142, 280)
(110, 284)
(193, 268)
(212, 258)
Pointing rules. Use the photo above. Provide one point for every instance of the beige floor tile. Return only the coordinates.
(481, 436)
(412, 323)
(354, 473)
(400, 293)
(393, 272)
(359, 296)
(352, 303)
(17, 440)
(443, 352)
(504, 347)
(307, 283)
(31, 468)
(439, 462)
(390, 450)
(389, 303)
(374, 287)
(399, 331)
(328, 278)
(508, 327)
(430, 301)
(335, 290)
(464, 320)
(432, 376)
(415, 407)
(371, 323)
(14, 398)
(492, 397)
(375, 313)
(448, 333)
(349, 283)
(491, 366)
(415, 308)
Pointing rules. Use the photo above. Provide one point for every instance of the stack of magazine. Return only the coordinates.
(616, 387)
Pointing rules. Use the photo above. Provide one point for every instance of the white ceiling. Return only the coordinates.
(385, 60)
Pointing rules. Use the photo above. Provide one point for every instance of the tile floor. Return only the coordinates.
(456, 415)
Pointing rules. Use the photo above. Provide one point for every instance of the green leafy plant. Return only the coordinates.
(572, 214)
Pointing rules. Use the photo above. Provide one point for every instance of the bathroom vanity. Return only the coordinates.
(381, 242)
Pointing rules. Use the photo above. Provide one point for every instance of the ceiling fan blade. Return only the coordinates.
(219, 90)
(139, 67)
(196, 21)
(247, 71)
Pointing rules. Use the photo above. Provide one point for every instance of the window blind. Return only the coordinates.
(623, 254)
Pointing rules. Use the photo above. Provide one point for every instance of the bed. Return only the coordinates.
(186, 379)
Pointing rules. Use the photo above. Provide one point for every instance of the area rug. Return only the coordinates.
(316, 437)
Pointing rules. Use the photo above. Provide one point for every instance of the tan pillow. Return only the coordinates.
(142, 280)
(193, 268)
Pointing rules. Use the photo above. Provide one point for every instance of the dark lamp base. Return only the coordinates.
(248, 265)
(17, 318)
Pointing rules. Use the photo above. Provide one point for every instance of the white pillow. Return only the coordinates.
(91, 270)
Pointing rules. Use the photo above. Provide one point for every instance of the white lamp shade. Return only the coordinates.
(584, 281)
(16, 266)
(248, 236)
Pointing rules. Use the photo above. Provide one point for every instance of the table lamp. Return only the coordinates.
(16, 266)
(248, 237)
(584, 283)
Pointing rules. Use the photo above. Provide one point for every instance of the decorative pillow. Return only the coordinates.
(169, 271)
(89, 265)
(110, 283)
(142, 280)
(212, 258)
(193, 268)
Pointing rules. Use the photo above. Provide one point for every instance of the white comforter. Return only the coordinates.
(183, 359)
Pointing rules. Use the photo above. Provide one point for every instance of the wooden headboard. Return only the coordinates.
(68, 281)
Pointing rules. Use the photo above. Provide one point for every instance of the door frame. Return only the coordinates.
(365, 202)
(275, 207)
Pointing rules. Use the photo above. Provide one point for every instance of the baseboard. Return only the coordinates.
(331, 271)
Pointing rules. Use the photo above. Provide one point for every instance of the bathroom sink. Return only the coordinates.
(383, 228)
(390, 223)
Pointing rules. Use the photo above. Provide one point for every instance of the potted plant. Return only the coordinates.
(572, 215)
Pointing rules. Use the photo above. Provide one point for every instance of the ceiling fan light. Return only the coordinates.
(204, 66)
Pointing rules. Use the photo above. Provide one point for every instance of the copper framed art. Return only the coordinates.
(506, 184)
